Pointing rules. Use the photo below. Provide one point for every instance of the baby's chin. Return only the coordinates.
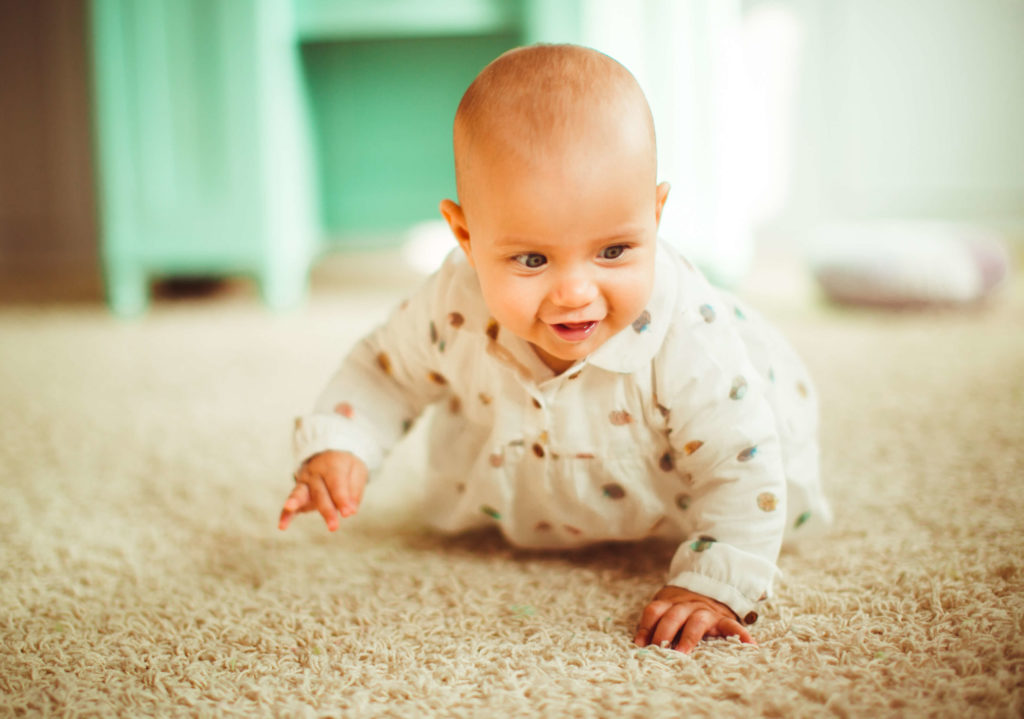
(561, 359)
(560, 362)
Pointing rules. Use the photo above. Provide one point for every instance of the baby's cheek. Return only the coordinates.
(508, 308)
(628, 301)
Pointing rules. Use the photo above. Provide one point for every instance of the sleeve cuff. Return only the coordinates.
(735, 578)
(743, 607)
(315, 433)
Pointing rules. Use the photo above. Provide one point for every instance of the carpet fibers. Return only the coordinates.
(141, 572)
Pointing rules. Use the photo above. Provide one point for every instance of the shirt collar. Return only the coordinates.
(636, 345)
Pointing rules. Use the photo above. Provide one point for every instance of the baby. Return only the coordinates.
(586, 383)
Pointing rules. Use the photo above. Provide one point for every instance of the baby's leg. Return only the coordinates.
(795, 402)
(791, 393)
(808, 512)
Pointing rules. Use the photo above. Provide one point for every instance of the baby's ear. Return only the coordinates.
(456, 220)
(661, 195)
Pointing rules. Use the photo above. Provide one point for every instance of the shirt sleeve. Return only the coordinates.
(384, 383)
(725, 448)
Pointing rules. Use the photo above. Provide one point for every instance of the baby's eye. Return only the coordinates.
(531, 260)
(612, 253)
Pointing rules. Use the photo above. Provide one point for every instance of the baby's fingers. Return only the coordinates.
(650, 618)
(344, 496)
(729, 627)
(298, 501)
(696, 626)
(324, 503)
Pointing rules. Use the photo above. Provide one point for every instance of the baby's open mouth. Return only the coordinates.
(576, 325)
(574, 331)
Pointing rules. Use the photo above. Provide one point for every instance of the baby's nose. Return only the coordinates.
(574, 289)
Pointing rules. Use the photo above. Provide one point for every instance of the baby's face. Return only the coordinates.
(564, 243)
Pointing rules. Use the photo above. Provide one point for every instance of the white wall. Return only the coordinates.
(906, 109)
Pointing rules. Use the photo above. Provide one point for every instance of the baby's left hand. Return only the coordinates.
(677, 611)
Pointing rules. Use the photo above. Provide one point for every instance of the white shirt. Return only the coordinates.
(684, 424)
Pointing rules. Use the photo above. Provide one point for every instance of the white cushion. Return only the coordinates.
(904, 263)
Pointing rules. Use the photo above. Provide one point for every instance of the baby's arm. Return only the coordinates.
(677, 612)
(330, 482)
(726, 451)
(382, 386)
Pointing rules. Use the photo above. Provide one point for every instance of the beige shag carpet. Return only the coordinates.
(141, 574)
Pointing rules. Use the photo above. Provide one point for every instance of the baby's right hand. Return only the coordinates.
(330, 482)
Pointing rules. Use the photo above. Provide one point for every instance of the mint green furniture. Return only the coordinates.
(203, 152)
(244, 137)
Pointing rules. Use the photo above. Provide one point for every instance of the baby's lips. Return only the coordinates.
(575, 325)
(574, 332)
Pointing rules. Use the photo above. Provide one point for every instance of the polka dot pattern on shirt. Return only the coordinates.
(666, 462)
(738, 389)
(702, 544)
(620, 418)
(613, 490)
(492, 329)
(642, 322)
(344, 409)
(747, 454)
(767, 502)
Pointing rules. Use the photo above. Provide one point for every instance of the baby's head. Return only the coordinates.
(559, 205)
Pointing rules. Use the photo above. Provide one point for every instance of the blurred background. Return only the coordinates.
(143, 141)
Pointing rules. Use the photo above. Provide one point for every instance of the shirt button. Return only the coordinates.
(750, 618)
